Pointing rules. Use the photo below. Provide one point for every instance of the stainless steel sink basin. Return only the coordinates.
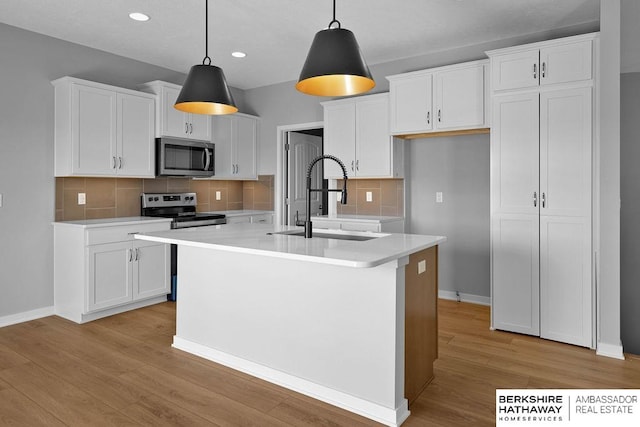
(356, 236)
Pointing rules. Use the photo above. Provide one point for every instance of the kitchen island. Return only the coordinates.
(323, 316)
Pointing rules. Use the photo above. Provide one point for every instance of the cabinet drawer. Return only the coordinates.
(361, 226)
(97, 236)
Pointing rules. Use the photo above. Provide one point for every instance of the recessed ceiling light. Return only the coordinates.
(137, 16)
(238, 54)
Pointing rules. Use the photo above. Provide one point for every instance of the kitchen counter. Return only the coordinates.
(320, 316)
(112, 222)
(253, 239)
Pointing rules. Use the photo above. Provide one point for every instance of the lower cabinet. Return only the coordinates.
(101, 271)
(395, 226)
(256, 218)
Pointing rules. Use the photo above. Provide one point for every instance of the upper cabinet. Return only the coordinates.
(356, 130)
(446, 99)
(102, 130)
(172, 122)
(236, 139)
(545, 63)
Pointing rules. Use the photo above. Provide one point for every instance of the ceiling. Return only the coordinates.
(276, 34)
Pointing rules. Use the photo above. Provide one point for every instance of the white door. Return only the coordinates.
(515, 273)
(151, 269)
(94, 146)
(303, 148)
(245, 145)
(222, 137)
(515, 70)
(460, 98)
(411, 103)
(199, 127)
(340, 138)
(109, 275)
(136, 143)
(373, 143)
(566, 63)
(174, 122)
(514, 154)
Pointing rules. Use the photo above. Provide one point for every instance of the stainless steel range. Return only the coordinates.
(181, 207)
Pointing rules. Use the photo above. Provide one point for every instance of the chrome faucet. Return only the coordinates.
(343, 199)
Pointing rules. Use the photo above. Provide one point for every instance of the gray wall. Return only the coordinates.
(459, 168)
(630, 212)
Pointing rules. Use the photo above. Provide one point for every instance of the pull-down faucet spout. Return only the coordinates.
(343, 199)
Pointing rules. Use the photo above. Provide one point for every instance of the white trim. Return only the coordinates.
(376, 412)
(26, 316)
(281, 164)
(610, 350)
(474, 299)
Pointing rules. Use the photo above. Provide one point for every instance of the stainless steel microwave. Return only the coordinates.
(182, 157)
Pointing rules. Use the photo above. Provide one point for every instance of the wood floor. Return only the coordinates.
(122, 371)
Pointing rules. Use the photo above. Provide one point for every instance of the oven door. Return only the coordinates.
(181, 157)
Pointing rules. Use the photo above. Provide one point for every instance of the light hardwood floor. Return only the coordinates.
(122, 371)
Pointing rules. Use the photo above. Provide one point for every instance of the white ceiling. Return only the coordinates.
(276, 34)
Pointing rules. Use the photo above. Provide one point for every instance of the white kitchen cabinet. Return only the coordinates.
(250, 218)
(545, 63)
(102, 130)
(444, 99)
(236, 139)
(172, 122)
(541, 204)
(111, 271)
(356, 130)
(351, 223)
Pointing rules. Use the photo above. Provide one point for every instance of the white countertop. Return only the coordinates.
(359, 218)
(113, 222)
(253, 239)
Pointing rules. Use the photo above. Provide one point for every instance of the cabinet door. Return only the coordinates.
(94, 131)
(199, 127)
(151, 269)
(109, 272)
(411, 101)
(245, 136)
(460, 98)
(222, 137)
(565, 280)
(515, 154)
(515, 273)
(565, 152)
(373, 143)
(136, 144)
(340, 138)
(173, 122)
(515, 70)
(566, 63)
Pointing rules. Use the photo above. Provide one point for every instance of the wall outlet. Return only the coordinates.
(82, 198)
(422, 266)
(438, 196)
(369, 196)
(218, 195)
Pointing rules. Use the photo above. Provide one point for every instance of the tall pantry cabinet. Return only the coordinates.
(541, 189)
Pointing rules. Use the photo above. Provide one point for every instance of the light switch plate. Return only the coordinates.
(218, 195)
(369, 196)
(438, 196)
(422, 266)
(82, 198)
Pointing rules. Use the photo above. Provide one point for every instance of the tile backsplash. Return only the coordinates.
(387, 197)
(120, 197)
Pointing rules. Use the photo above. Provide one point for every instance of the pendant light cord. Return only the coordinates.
(206, 33)
(334, 21)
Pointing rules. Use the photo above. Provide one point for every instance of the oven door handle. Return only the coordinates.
(208, 161)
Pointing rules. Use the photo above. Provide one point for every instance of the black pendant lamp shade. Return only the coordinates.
(205, 90)
(335, 66)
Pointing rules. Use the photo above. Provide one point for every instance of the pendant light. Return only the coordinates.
(335, 66)
(205, 90)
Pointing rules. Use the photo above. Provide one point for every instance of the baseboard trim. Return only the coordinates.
(610, 350)
(26, 316)
(475, 299)
(373, 411)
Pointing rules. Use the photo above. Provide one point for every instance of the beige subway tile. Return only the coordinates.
(201, 188)
(59, 194)
(262, 206)
(155, 185)
(128, 202)
(262, 193)
(219, 205)
(234, 191)
(99, 213)
(367, 183)
(247, 198)
(74, 183)
(178, 185)
(389, 211)
(234, 206)
(248, 184)
(347, 209)
(203, 207)
(131, 183)
(368, 208)
(101, 193)
(59, 215)
(72, 210)
(389, 192)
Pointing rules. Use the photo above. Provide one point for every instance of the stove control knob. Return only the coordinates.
(150, 199)
(155, 199)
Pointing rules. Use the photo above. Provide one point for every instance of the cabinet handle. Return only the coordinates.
(428, 117)
(535, 199)
(186, 127)
(535, 71)
(357, 165)
(137, 254)
(130, 254)
(544, 200)
(352, 170)
(544, 69)
(114, 162)
(119, 162)
(439, 116)
(190, 128)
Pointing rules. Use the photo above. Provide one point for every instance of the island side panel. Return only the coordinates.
(421, 321)
(339, 327)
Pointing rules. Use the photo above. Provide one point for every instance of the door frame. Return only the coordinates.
(281, 165)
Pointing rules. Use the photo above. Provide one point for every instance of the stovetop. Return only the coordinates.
(181, 207)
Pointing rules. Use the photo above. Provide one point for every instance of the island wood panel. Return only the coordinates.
(421, 322)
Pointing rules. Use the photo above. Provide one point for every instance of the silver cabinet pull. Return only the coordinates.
(190, 128)
(439, 116)
(352, 169)
(544, 200)
(535, 71)
(544, 67)
(186, 127)
(137, 254)
(535, 199)
(114, 162)
(119, 162)
(357, 165)
(428, 117)
(130, 254)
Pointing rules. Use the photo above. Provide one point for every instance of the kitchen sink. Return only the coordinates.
(356, 236)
